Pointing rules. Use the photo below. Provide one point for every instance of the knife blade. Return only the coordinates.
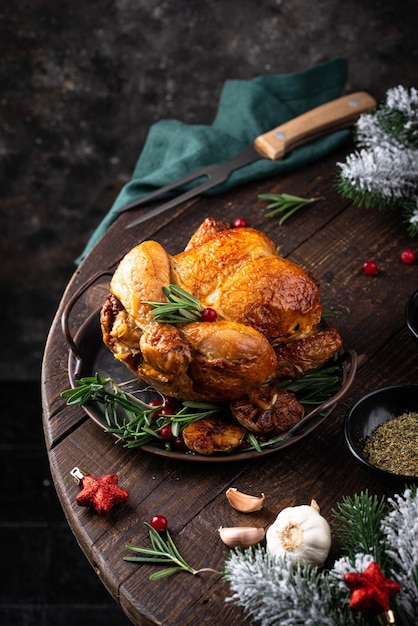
(274, 145)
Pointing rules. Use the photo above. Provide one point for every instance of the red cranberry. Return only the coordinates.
(407, 256)
(209, 315)
(159, 523)
(165, 433)
(155, 403)
(165, 410)
(240, 222)
(370, 268)
(160, 410)
(179, 443)
(172, 403)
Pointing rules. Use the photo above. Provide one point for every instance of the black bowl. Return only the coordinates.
(374, 409)
(411, 315)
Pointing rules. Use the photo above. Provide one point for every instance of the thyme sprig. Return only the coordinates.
(182, 307)
(284, 205)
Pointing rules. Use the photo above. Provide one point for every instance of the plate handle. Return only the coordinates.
(75, 349)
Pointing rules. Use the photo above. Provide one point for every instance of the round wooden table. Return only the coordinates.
(330, 240)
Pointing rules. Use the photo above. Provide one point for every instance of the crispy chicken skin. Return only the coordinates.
(295, 358)
(264, 303)
(140, 276)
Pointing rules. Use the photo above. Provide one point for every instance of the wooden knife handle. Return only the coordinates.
(340, 113)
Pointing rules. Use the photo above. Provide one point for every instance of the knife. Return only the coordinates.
(274, 145)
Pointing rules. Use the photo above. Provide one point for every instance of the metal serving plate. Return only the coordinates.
(89, 356)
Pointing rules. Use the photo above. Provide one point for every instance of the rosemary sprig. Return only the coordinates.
(284, 204)
(135, 422)
(162, 551)
(186, 415)
(181, 307)
(256, 444)
(316, 386)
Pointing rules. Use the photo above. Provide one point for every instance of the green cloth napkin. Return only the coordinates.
(247, 108)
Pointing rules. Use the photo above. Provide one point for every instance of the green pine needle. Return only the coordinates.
(357, 525)
(284, 205)
(397, 124)
(362, 197)
(382, 171)
(272, 590)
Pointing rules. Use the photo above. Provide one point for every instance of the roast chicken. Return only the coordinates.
(266, 330)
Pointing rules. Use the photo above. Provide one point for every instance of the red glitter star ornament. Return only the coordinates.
(100, 492)
(370, 589)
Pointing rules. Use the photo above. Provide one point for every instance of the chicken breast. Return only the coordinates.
(239, 273)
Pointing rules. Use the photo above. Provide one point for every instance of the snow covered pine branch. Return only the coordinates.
(273, 590)
(383, 171)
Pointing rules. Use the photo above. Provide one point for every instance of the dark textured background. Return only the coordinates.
(80, 85)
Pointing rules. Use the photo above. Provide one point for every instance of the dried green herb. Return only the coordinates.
(393, 445)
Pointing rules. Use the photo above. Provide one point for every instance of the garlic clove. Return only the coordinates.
(244, 502)
(241, 536)
(314, 504)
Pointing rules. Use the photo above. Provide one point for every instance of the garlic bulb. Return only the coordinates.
(301, 533)
(244, 502)
(241, 536)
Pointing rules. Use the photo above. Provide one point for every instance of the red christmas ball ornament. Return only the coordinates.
(101, 493)
(370, 589)
(407, 256)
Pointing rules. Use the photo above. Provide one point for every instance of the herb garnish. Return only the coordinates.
(316, 386)
(137, 423)
(182, 307)
(162, 551)
(284, 204)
